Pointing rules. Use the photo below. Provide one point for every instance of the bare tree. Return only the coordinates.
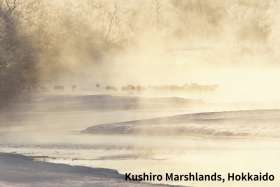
(157, 7)
(7, 7)
(11, 5)
(114, 22)
(17, 57)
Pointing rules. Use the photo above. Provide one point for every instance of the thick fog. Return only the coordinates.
(232, 44)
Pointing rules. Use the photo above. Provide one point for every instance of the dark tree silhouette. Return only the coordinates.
(17, 57)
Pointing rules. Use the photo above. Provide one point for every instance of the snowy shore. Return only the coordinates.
(21, 171)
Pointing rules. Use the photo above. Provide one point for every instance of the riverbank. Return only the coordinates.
(22, 171)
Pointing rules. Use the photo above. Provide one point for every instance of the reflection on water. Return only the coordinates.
(160, 155)
(55, 137)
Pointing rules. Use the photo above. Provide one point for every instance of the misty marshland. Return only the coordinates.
(137, 86)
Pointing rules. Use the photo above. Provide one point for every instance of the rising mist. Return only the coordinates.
(123, 42)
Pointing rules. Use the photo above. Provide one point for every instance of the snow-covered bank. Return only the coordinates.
(17, 170)
(246, 123)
